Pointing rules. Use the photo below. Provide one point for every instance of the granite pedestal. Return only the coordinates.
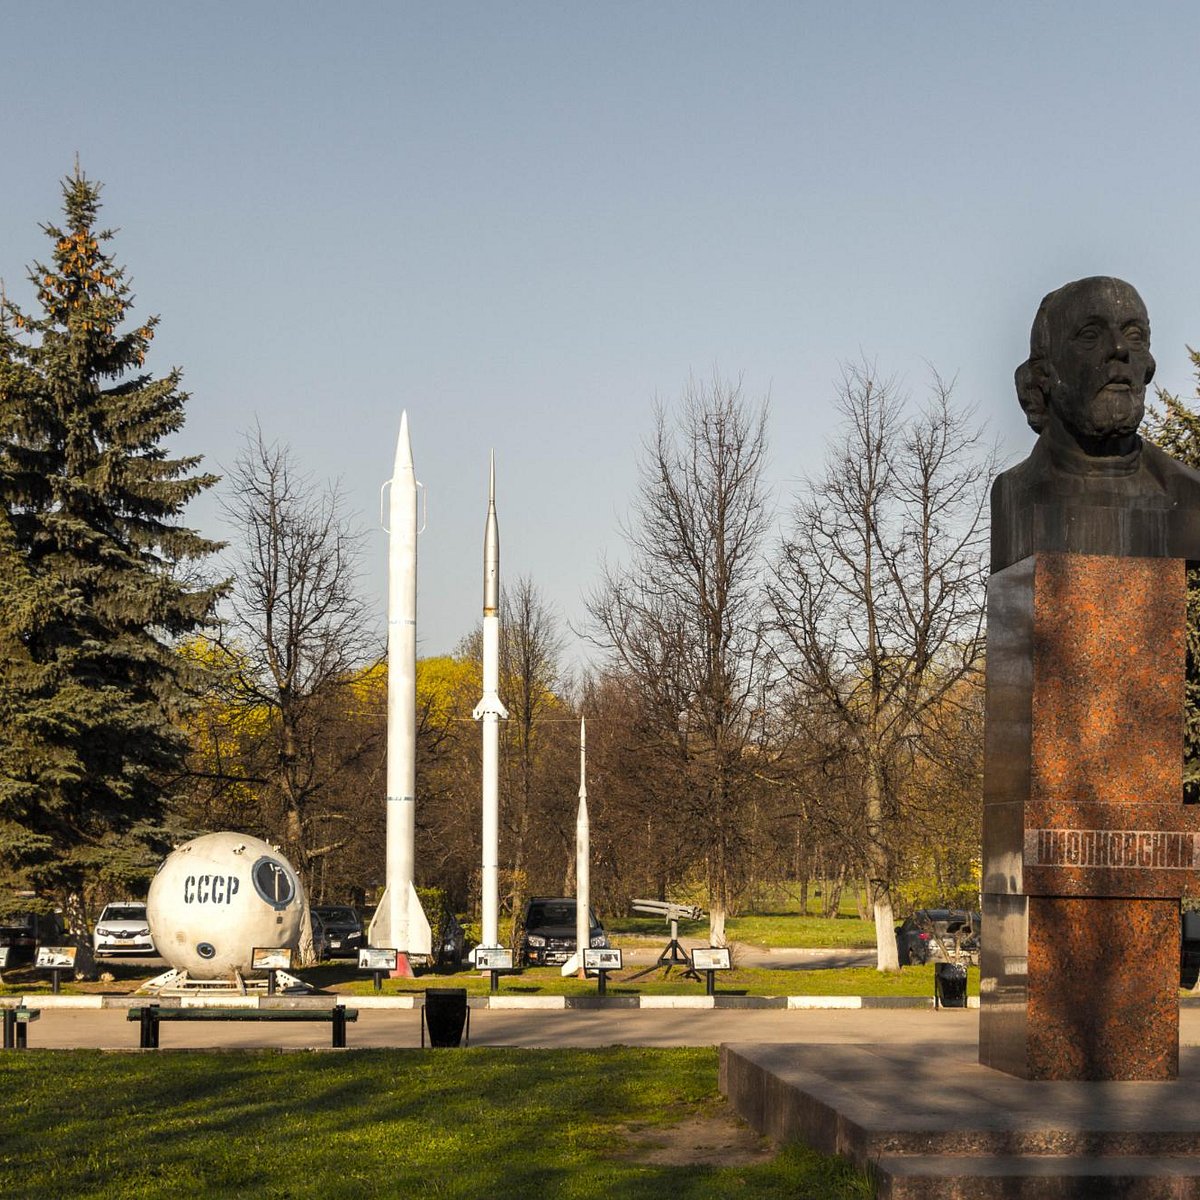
(1087, 844)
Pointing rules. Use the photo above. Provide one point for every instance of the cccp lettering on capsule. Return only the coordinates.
(210, 889)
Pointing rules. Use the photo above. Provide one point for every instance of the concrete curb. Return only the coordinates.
(380, 1001)
(498, 1001)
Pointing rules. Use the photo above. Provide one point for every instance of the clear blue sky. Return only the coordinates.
(523, 222)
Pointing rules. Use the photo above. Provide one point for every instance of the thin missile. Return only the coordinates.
(491, 712)
(399, 920)
(583, 869)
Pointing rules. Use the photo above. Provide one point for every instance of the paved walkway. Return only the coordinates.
(109, 1029)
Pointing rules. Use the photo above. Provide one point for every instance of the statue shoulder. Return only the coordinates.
(1017, 480)
(1175, 476)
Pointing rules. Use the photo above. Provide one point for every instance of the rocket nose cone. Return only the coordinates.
(404, 458)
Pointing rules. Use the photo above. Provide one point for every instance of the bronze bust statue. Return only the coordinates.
(1091, 484)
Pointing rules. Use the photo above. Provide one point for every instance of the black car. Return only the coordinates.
(940, 934)
(22, 933)
(450, 941)
(337, 931)
(549, 931)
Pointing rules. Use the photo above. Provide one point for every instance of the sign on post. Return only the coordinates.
(55, 958)
(379, 960)
(711, 958)
(3, 957)
(601, 961)
(494, 959)
(271, 958)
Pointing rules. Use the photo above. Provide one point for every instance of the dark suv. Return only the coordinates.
(549, 931)
(941, 934)
(337, 931)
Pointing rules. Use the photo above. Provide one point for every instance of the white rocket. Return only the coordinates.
(491, 712)
(399, 920)
(583, 854)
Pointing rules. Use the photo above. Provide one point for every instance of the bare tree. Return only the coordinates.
(878, 600)
(296, 636)
(683, 619)
(531, 653)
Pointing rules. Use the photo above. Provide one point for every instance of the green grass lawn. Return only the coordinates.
(750, 981)
(433, 1123)
(791, 929)
(774, 929)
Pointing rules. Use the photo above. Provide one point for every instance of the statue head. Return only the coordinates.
(1089, 364)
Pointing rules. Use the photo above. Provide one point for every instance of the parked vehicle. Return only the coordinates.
(23, 933)
(1189, 949)
(450, 941)
(123, 929)
(337, 931)
(549, 931)
(18, 933)
(938, 935)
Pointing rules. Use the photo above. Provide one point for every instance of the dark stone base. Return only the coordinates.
(931, 1124)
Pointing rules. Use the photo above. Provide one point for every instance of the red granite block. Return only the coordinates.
(1108, 655)
(1097, 1004)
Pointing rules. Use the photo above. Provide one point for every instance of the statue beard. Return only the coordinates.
(1115, 412)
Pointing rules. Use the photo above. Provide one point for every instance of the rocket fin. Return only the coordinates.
(420, 939)
(379, 931)
(571, 966)
(487, 706)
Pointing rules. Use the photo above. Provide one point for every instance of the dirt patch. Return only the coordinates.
(717, 1139)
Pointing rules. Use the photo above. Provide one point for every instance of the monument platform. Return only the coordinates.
(929, 1122)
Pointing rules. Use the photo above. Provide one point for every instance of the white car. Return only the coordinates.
(123, 929)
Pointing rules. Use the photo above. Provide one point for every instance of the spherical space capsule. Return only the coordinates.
(219, 896)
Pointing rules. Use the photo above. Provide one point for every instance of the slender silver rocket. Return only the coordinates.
(583, 854)
(399, 920)
(491, 712)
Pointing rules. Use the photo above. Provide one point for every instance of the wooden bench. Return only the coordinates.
(16, 1026)
(149, 1016)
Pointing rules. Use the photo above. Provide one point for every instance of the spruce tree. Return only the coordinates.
(95, 587)
(1176, 428)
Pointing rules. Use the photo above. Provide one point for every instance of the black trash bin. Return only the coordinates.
(444, 1014)
(949, 985)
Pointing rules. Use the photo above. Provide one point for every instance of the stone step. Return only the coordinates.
(1036, 1177)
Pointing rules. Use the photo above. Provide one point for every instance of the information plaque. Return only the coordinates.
(377, 958)
(602, 960)
(494, 958)
(55, 958)
(711, 958)
(271, 958)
